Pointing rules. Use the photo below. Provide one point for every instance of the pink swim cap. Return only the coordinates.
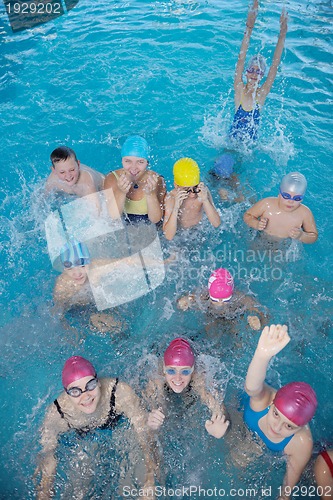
(297, 401)
(179, 353)
(221, 285)
(75, 368)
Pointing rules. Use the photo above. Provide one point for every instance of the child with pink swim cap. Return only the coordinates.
(181, 378)
(280, 417)
(221, 300)
(86, 403)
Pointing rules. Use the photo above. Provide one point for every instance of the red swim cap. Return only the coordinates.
(75, 368)
(297, 401)
(221, 285)
(179, 353)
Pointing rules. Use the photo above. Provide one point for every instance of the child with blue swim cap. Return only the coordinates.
(284, 216)
(249, 97)
(133, 190)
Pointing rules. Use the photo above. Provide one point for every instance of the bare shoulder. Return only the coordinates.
(301, 444)
(111, 178)
(306, 212)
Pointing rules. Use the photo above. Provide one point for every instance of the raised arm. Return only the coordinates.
(173, 202)
(272, 340)
(250, 21)
(264, 90)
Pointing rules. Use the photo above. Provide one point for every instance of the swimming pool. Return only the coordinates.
(164, 70)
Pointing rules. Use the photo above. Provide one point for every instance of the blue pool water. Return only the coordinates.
(164, 70)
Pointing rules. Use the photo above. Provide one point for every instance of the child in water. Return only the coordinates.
(180, 377)
(187, 202)
(250, 97)
(70, 176)
(280, 418)
(222, 301)
(285, 216)
(133, 190)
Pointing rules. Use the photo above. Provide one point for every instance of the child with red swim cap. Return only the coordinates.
(87, 403)
(280, 417)
(180, 377)
(221, 300)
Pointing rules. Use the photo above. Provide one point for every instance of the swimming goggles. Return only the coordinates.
(287, 196)
(219, 300)
(194, 189)
(79, 262)
(75, 392)
(185, 372)
(256, 71)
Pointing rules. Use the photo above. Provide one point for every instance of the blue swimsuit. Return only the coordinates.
(245, 124)
(252, 418)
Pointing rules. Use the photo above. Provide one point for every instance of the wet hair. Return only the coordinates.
(61, 154)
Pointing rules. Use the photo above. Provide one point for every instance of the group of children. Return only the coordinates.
(136, 194)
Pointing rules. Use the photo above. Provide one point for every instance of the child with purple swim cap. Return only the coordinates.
(180, 377)
(280, 417)
(89, 403)
(220, 300)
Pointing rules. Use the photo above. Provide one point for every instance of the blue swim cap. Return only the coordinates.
(135, 146)
(74, 254)
(223, 165)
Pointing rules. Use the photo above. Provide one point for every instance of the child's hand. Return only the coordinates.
(217, 425)
(254, 322)
(155, 419)
(151, 184)
(272, 340)
(295, 233)
(262, 223)
(184, 302)
(124, 184)
(203, 194)
(284, 22)
(180, 196)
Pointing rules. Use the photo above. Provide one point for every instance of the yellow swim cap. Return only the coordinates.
(186, 172)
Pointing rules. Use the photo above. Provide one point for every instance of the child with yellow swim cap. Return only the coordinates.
(186, 203)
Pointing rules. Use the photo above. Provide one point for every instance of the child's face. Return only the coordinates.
(178, 377)
(254, 74)
(289, 205)
(278, 426)
(67, 171)
(78, 274)
(134, 165)
(88, 401)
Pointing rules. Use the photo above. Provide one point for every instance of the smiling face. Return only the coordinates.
(178, 377)
(77, 274)
(67, 171)
(254, 74)
(135, 166)
(278, 426)
(288, 205)
(88, 401)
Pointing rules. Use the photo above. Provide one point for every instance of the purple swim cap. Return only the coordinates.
(179, 353)
(75, 368)
(297, 401)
